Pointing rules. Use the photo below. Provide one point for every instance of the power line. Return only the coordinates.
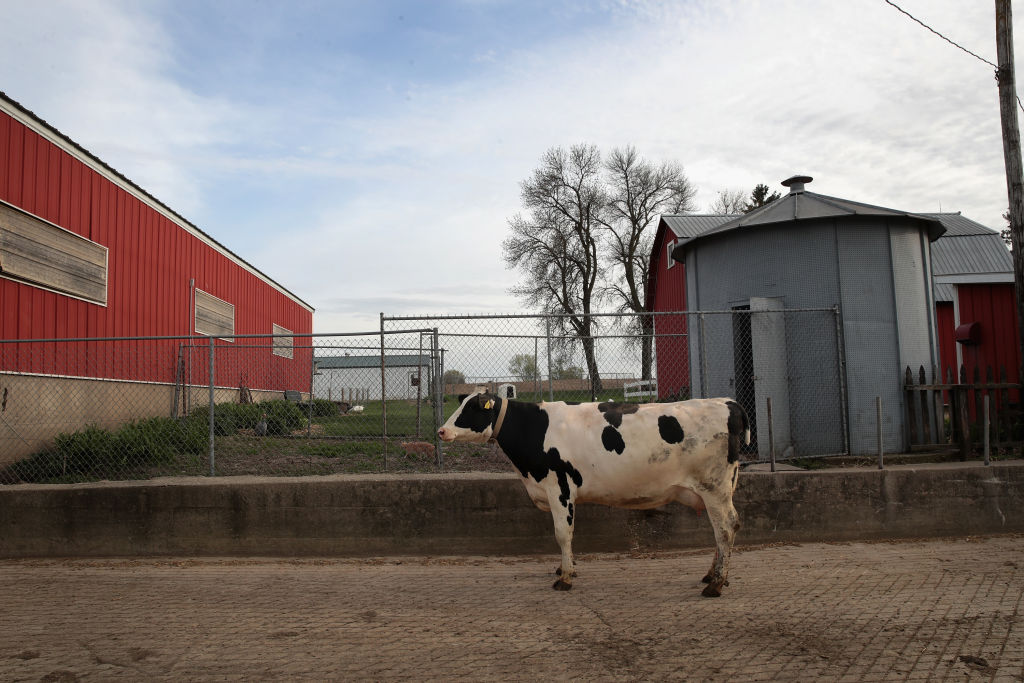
(954, 44)
(951, 42)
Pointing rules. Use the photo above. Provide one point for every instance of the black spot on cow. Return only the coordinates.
(612, 440)
(572, 403)
(738, 426)
(564, 471)
(670, 429)
(613, 412)
(572, 511)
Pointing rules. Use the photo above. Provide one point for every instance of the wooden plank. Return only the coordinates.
(283, 346)
(17, 245)
(979, 403)
(925, 421)
(964, 425)
(54, 278)
(214, 316)
(910, 402)
(51, 236)
(49, 256)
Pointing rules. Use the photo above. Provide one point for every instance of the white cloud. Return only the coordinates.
(99, 72)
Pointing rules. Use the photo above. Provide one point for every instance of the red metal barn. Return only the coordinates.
(667, 293)
(976, 310)
(84, 252)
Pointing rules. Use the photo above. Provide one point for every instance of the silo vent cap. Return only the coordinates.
(796, 183)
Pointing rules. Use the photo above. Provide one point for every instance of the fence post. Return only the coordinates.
(211, 409)
(771, 434)
(439, 402)
(841, 367)
(963, 415)
(878, 411)
(312, 379)
(703, 359)
(383, 401)
(987, 461)
(551, 386)
(419, 383)
(536, 368)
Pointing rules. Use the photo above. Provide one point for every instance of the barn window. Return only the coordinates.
(668, 254)
(44, 255)
(214, 317)
(283, 346)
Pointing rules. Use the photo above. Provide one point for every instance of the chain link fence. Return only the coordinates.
(138, 408)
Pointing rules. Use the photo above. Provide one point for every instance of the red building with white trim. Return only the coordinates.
(87, 253)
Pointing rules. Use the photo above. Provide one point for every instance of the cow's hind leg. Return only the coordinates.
(562, 514)
(725, 523)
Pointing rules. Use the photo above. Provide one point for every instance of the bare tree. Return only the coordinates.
(729, 202)
(638, 193)
(555, 244)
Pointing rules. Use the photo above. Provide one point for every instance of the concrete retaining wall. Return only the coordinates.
(477, 514)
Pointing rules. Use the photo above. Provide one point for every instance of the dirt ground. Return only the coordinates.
(924, 610)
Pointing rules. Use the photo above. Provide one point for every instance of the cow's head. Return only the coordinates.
(473, 421)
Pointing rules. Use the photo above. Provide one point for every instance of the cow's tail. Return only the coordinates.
(739, 430)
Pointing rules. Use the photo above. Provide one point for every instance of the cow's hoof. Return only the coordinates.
(562, 586)
(712, 591)
(558, 571)
(707, 579)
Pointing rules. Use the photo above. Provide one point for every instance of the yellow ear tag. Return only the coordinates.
(488, 405)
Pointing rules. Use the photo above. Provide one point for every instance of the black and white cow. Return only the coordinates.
(619, 454)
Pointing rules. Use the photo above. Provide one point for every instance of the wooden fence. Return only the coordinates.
(951, 413)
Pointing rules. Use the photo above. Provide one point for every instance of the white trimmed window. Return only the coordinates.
(214, 317)
(668, 254)
(45, 255)
(283, 346)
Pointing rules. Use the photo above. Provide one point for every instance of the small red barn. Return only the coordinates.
(87, 253)
(975, 304)
(667, 292)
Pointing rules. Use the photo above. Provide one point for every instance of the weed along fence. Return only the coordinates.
(961, 412)
(135, 408)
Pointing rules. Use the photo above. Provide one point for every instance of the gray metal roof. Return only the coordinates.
(396, 360)
(803, 205)
(968, 252)
(688, 226)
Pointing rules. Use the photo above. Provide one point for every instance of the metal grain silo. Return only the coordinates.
(870, 264)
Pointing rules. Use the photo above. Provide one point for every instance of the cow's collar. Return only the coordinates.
(499, 421)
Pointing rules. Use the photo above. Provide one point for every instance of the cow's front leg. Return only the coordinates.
(562, 513)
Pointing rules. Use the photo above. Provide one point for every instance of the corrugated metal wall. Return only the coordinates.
(796, 264)
(151, 260)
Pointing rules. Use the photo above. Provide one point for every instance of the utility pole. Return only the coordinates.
(1011, 154)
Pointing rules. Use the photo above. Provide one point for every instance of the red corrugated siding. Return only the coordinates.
(993, 307)
(944, 319)
(150, 262)
(672, 353)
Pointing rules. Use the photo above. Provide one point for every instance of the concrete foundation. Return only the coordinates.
(474, 514)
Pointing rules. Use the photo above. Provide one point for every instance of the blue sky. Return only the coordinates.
(367, 155)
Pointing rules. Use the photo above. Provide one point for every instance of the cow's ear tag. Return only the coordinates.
(489, 404)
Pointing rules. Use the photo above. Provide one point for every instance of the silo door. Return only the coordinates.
(767, 324)
(744, 390)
